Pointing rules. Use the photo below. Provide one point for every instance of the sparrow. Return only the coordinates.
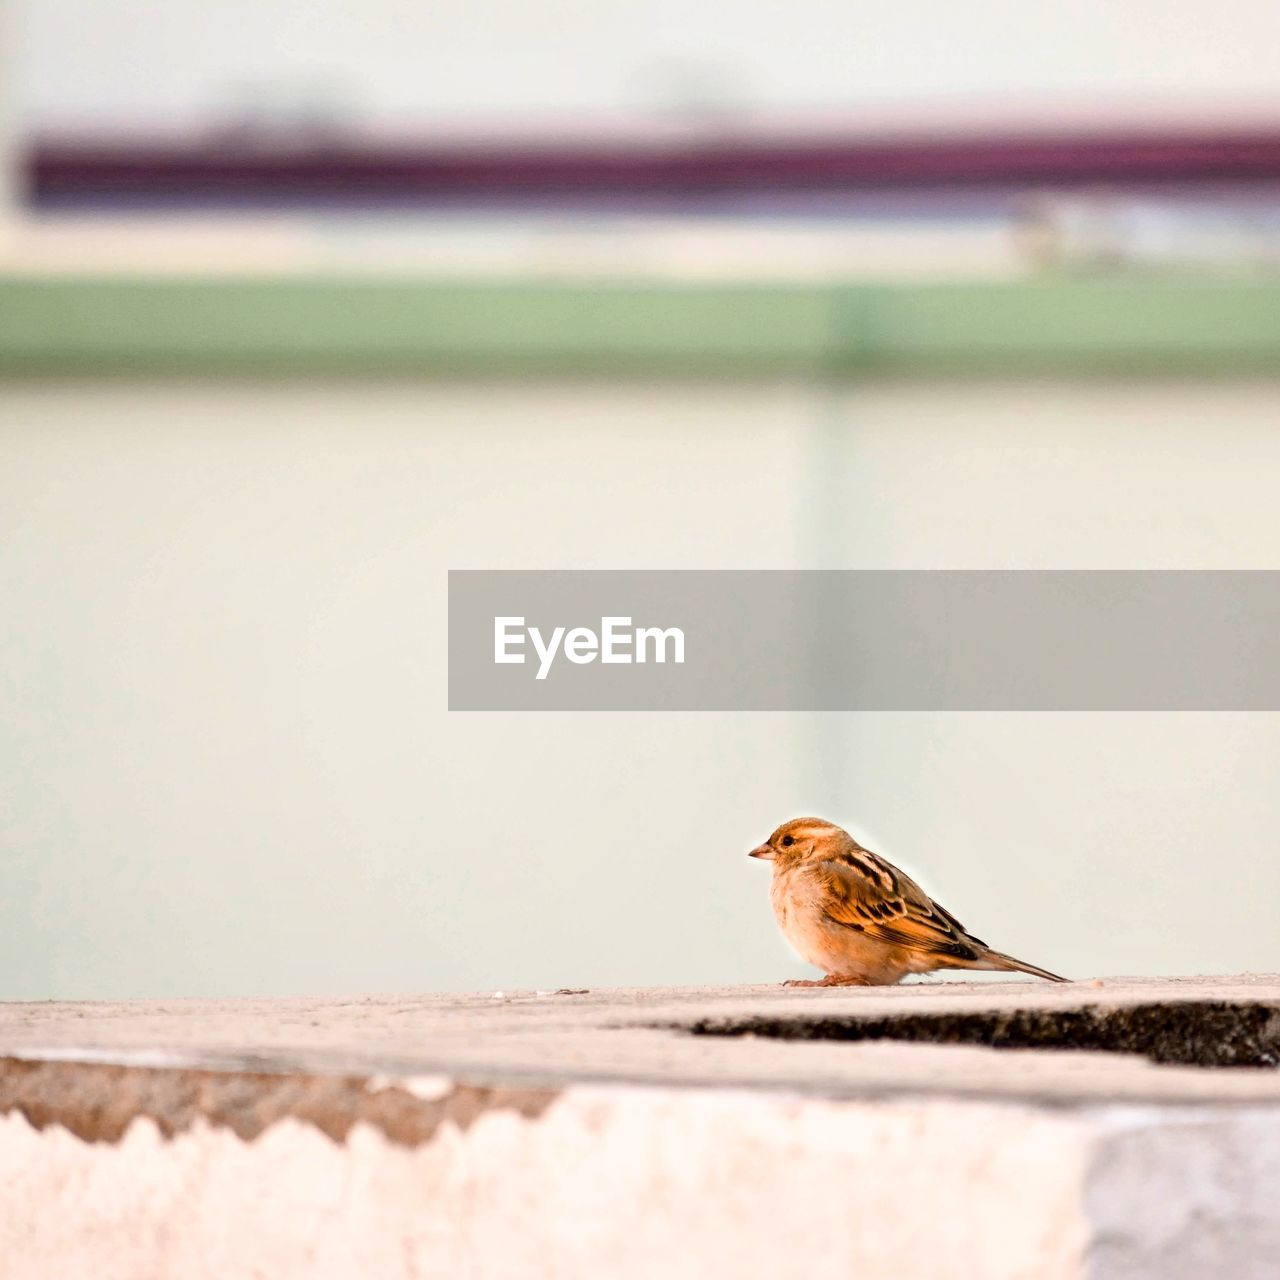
(858, 918)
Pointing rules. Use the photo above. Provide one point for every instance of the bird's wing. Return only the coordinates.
(865, 893)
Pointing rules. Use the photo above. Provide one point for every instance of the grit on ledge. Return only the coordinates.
(752, 1130)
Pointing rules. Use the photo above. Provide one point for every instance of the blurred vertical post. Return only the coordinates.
(10, 176)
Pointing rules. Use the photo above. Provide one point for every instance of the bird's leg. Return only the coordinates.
(831, 980)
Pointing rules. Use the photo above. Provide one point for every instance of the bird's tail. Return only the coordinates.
(1007, 964)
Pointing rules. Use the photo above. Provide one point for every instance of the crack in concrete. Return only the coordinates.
(1186, 1033)
(97, 1102)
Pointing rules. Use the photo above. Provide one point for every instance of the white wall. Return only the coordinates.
(154, 64)
(226, 764)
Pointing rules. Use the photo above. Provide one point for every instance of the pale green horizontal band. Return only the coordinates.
(1103, 325)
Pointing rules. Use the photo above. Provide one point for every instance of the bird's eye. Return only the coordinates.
(788, 841)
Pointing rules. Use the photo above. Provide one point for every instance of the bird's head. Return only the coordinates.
(803, 838)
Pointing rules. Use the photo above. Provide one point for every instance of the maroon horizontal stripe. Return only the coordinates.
(70, 170)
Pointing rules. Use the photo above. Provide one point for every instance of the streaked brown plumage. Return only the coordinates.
(861, 920)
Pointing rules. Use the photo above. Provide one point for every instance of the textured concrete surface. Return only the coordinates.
(645, 1036)
(634, 1133)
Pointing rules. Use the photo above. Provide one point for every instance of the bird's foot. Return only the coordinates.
(831, 980)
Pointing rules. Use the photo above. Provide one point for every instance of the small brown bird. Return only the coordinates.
(858, 918)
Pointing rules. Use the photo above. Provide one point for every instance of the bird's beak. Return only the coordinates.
(762, 851)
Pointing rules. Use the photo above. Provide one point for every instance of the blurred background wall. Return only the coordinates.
(382, 64)
(301, 306)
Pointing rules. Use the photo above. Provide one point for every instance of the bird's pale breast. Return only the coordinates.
(798, 905)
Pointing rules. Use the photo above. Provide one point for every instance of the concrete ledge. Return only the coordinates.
(675, 1132)
(791, 1038)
